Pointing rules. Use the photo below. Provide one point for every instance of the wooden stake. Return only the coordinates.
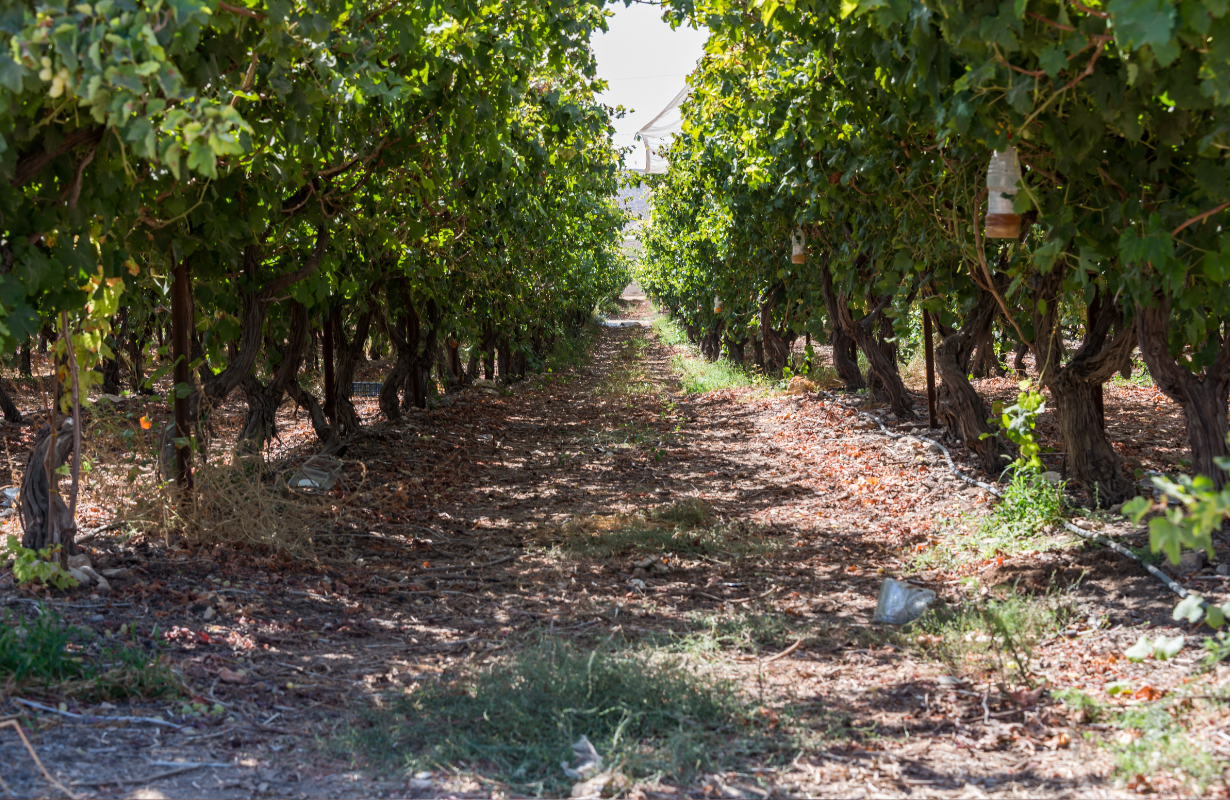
(181, 326)
(1094, 309)
(930, 351)
(330, 388)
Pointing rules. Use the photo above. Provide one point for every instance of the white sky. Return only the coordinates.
(645, 64)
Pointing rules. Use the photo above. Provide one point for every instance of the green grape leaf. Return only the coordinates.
(1139, 651)
(1141, 22)
(1165, 648)
(1191, 609)
(1136, 508)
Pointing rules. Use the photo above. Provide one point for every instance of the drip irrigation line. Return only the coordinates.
(1165, 579)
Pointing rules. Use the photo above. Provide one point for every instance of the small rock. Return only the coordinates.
(653, 565)
(210, 613)
(950, 681)
(419, 784)
(1053, 478)
(103, 586)
(79, 560)
(1223, 569)
(891, 415)
(637, 583)
(1190, 561)
(604, 784)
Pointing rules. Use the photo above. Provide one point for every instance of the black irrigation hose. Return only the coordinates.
(1166, 580)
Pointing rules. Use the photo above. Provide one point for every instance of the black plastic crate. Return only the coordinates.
(365, 389)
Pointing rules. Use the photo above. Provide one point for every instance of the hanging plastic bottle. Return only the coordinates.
(718, 305)
(1003, 174)
(798, 247)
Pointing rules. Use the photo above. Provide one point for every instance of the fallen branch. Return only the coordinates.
(783, 653)
(93, 718)
(167, 774)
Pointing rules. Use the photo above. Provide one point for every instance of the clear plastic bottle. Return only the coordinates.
(798, 247)
(1003, 174)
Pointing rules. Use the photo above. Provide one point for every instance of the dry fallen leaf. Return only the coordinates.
(1149, 693)
(231, 676)
(1024, 698)
(1061, 739)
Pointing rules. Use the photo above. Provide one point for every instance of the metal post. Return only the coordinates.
(930, 370)
(330, 387)
(1095, 308)
(181, 324)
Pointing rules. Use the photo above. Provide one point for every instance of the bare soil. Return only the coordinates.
(457, 551)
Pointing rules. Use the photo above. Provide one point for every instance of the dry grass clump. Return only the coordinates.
(914, 375)
(247, 503)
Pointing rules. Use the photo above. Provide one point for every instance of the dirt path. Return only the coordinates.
(599, 504)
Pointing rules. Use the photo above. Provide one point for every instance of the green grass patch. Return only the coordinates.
(47, 654)
(669, 331)
(689, 512)
(1139, 376)
(1163, 745)
(1022, 521)
(745, 630)
(1030, 506)
(699, 376)
(993, 635)
(516, 718)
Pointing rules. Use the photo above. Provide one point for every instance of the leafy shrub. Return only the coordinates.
(1030, 505)
(993, 634)
(39, 566)
(46, 652)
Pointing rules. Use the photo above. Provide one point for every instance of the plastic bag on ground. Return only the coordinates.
(900, 602)
(588, 760)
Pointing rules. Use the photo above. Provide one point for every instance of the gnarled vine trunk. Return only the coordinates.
(405, 343)
(1090, 460)
(11, 412)
(958, 405)
(711, 341)
(735, 348)
(260, 424)
(776, 343)
(349, 353)
(842, 342)
(45, 519)
(1203, 398)
(882, 367)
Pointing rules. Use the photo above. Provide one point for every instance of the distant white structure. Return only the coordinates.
(657, 134)
(634, 199)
